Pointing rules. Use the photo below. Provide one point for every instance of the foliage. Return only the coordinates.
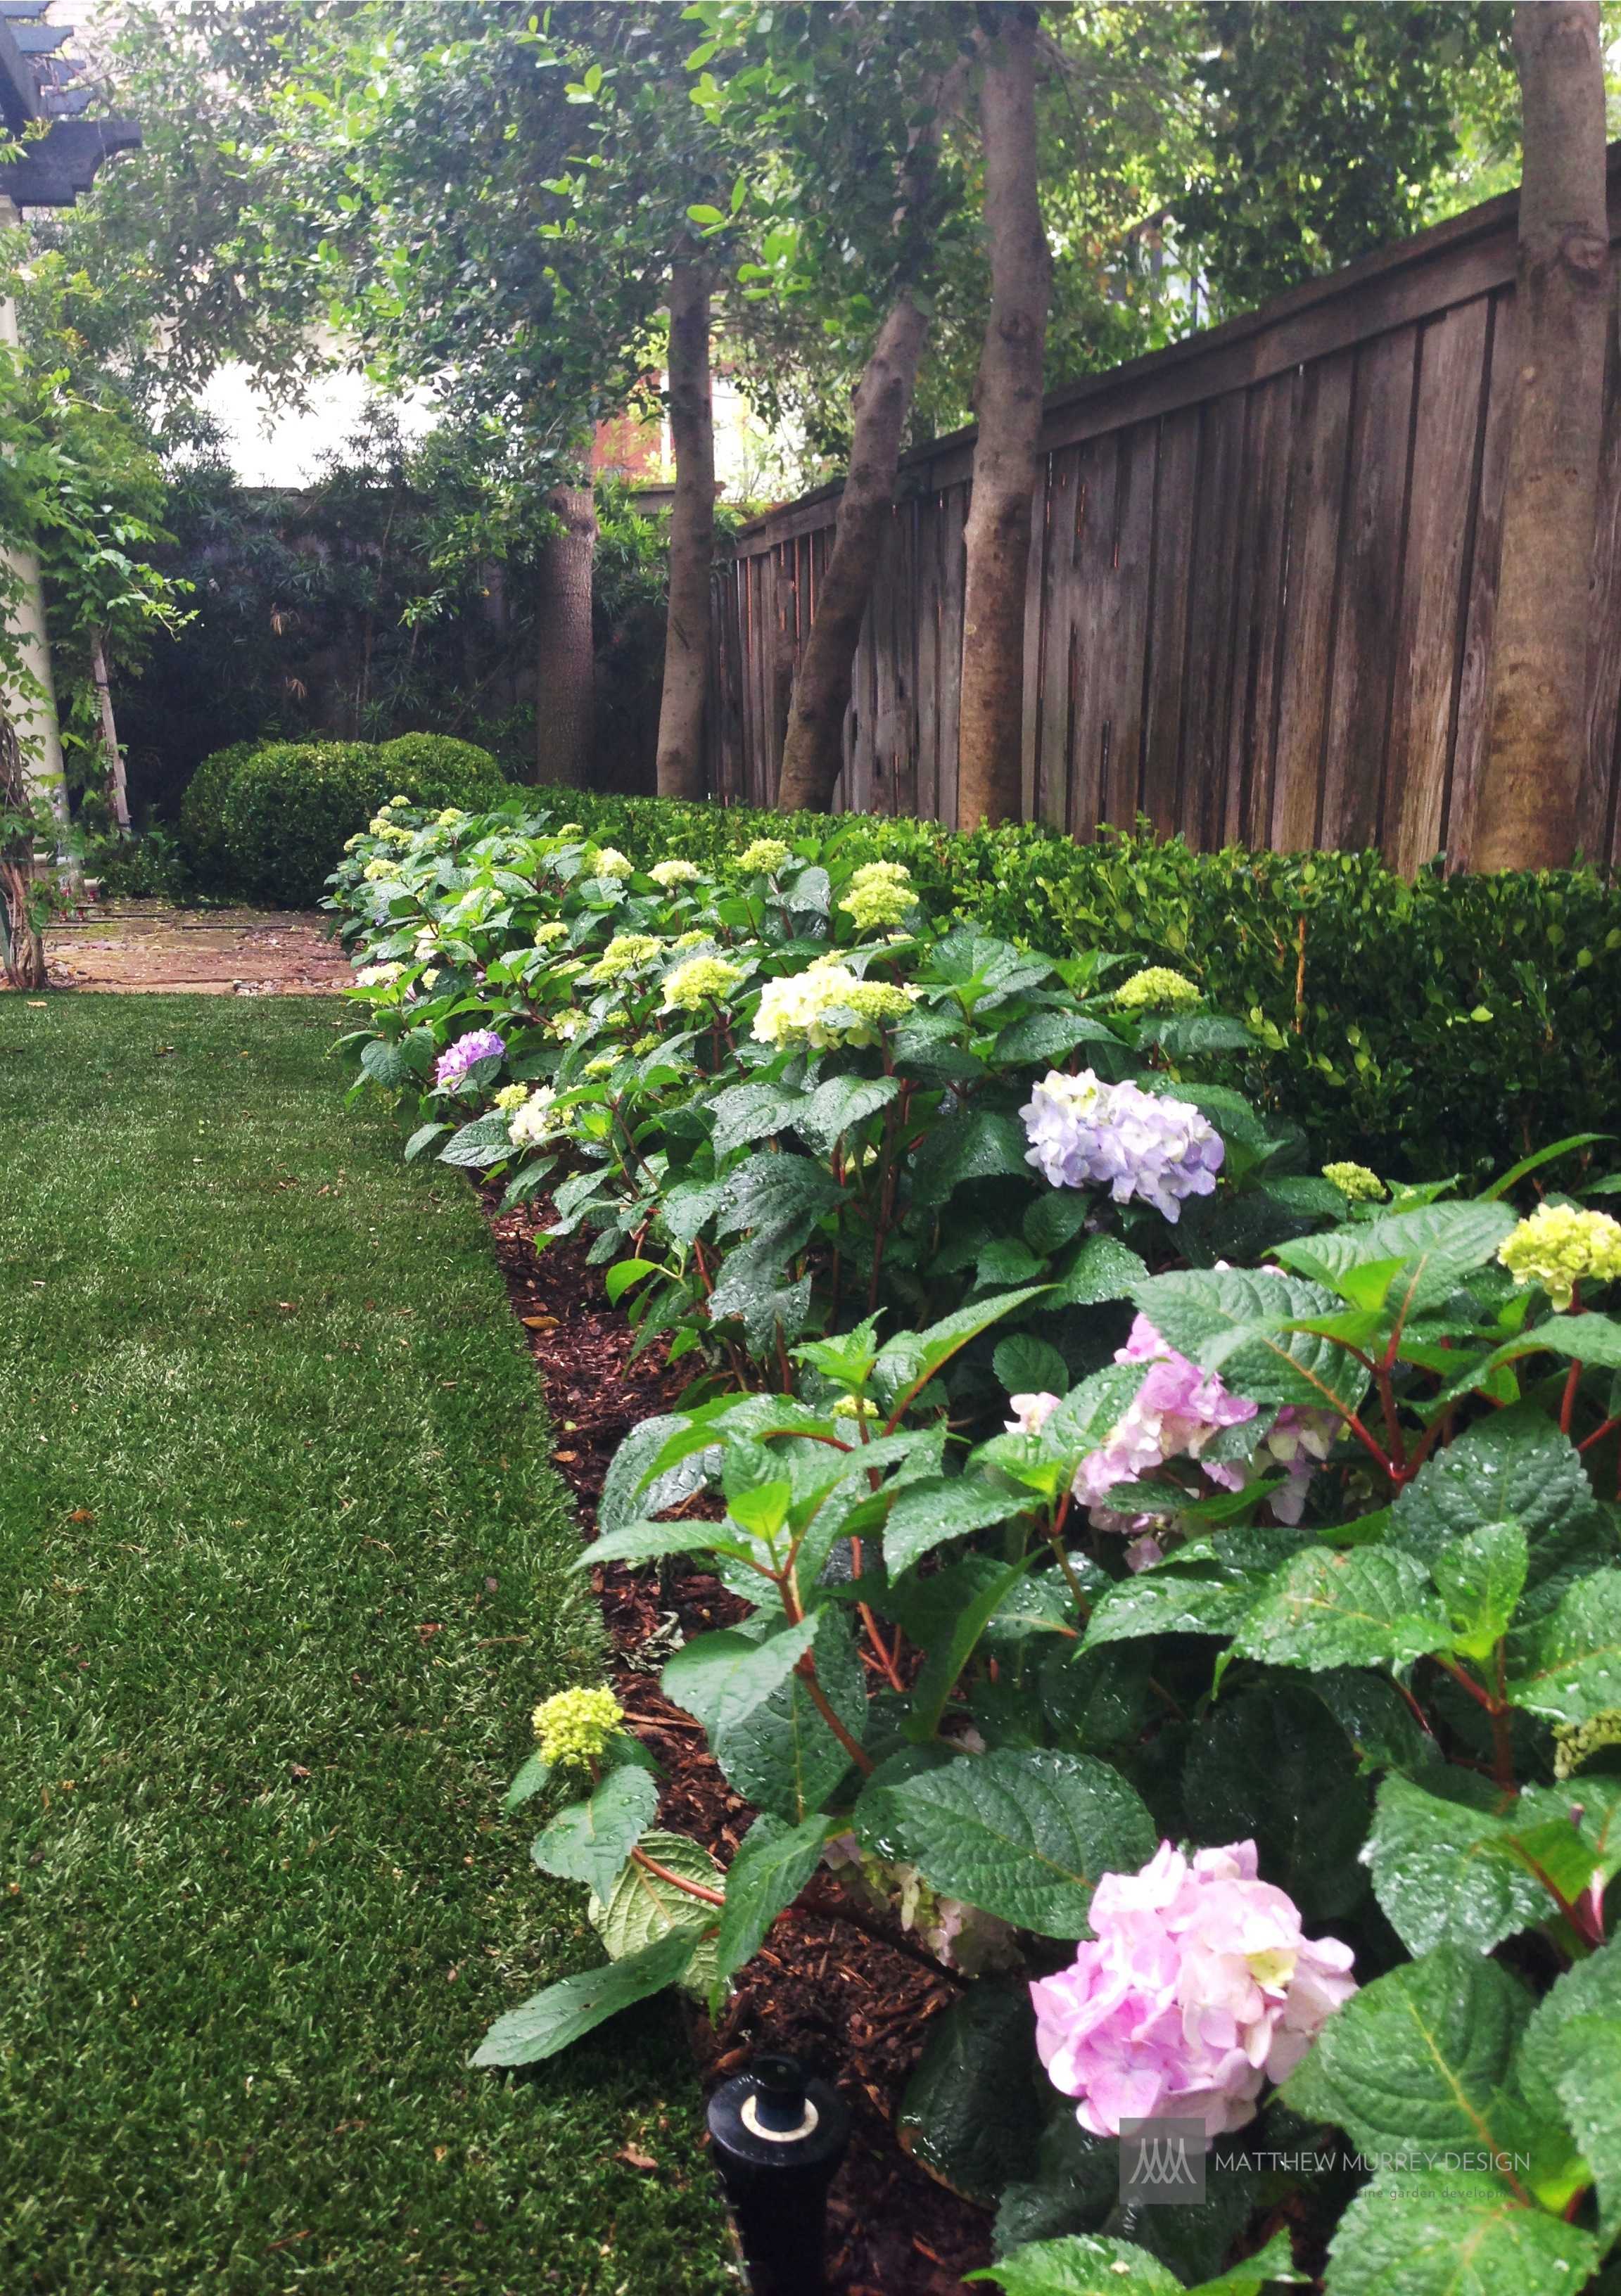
(265, 820)
(240, 1826)
(1490, 1023)
(1317, 1559)
(395, 591)
(1330, 129)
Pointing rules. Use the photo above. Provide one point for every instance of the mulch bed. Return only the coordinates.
(851, 2007)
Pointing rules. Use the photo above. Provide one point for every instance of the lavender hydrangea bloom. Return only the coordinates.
(1084, 1132)
(479, 1044)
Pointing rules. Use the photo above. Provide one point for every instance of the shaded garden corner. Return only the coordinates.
(285, 1563)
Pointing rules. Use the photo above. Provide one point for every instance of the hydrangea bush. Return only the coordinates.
(1181, 1589)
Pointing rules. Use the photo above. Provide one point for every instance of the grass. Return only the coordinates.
(282, 1567)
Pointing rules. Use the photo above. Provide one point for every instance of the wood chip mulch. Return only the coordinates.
(854, 2008)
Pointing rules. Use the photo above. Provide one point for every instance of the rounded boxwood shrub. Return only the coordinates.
(271, 821)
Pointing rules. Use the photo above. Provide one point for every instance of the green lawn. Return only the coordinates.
(282, 1567)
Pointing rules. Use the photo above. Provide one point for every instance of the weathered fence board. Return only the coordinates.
(1262, 581)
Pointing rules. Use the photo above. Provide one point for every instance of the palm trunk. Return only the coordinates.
(1530, 782)
(563, 651)
(1007, 407)
(118, 791)
(692, 535)
(813, 745)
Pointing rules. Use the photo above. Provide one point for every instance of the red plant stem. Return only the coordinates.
(858, 1753)
(1567, 1401)
(678, 1880)
(884, 1656)
(1599, 1433)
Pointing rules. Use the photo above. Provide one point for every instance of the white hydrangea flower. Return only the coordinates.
(673, 873)
(538, 1121)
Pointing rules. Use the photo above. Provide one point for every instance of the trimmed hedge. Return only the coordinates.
(270, 820)
(1420, 1027)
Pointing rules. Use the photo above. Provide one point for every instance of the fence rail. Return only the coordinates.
(1261, 585)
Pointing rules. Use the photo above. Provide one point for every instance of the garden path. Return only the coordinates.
(283, 1566)
(149, 946)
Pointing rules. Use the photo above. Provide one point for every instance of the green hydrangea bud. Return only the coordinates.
(1156, 989)
(577, 1726)
(1560, 1247)
(1355, 1182)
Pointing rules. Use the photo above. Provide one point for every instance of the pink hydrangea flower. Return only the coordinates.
(1031, 1413)
(1175, 1414)
(1200, 1986)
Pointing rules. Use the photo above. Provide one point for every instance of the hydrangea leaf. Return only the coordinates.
(1024, 1835)
(1273, 1766)
(974, 2108)
(484, 1140)
(783, 1756)
(1231, 1316)
(1442, 1870)
(772, 1865)
(1050, 1037)
(550, 2021)
(1481, 1579)
(1447, 2233)
(722, 1677)
(1517, 1467)
(1104, 1269)
(590, 1840)
(1567, 2066)
(1366, 1606)
(973, 1145)
(1416, 2061)
(1085, 2264)
(1169, 1602)
(784, 1195)
(1027, 1366)
(752, 1111)
(386, 1064)
(1432, 1249)
(643, 1907)
(632, 1466)
(905, 1362)
(840, 1103)
(1567, 1667)
(927, 1514)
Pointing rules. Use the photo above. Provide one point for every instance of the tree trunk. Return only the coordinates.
(563, 651)
(813, 748)
(1536, 742)
(118, 791)
(22, 957)
(813, 744)
(1007, 408)
(692, 535)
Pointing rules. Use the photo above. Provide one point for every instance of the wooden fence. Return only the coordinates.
(1262, 581)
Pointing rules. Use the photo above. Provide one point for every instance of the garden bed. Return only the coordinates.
(852, 2008)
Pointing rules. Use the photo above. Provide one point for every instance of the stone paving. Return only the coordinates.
(237, 952)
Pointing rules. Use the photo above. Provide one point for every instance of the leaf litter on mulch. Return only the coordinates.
(854, 2008)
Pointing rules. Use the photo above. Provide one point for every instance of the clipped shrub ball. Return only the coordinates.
(270, 821)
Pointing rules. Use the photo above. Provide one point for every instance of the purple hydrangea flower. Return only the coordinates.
(1084, 1132)
(479, 1044)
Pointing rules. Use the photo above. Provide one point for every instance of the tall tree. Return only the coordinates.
(1009, 408)
(813, 746)
(1535, 743)
(692, 531)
